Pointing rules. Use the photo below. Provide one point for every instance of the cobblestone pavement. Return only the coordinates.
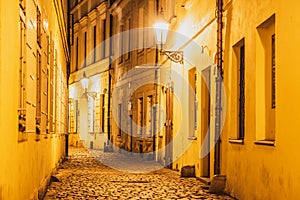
(83, 176)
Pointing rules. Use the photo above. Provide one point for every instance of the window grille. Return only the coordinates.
(273, 73)
(39, 27)
(242, 93)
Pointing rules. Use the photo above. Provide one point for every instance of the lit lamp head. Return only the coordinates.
(84, 82)
(161, 28)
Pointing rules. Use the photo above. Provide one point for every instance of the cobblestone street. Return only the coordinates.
(83, 176)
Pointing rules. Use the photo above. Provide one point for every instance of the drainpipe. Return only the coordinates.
(68, 70)
(110, 22)
(219, 80)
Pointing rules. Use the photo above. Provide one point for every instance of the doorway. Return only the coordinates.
(83, 118)
(205, 122)
(169, 127)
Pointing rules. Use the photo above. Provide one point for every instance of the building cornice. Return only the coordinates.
(83, 21)
(76, 27)
(117, 6)
(92, 15)
(77, 6)
(102, 7)
(73, 10)
(99, 67)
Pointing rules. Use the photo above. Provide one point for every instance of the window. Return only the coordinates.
(52, 86)
(71, 116)
(76, 54)
(241, 107)
(95, 43)
(48, 100)
(55, 90)
(193, 103)
(238, 93)
(140, 116)
(119, 120)
(151, 20)
(91, 114)
(121, 44)
(102, 111)
(39, 27)
(38, 92)
(103, 45)
(141, 30)
(76, 116)
(127, 40)
(85, 48)
(149, 116)
(71, 34)
(273, 90)
(48, 49)
(266, 82)
(22, 78)
(112, 30)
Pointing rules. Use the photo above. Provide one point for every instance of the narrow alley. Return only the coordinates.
(83, 176)
(149, 99)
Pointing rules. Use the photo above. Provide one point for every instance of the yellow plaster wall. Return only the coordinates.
(24, 166)
(195, 20)
(258, 171)
(253, 171)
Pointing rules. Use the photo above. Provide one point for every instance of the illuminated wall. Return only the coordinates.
(259, 137)
(33, 119)
(264, 160)
(88, 113)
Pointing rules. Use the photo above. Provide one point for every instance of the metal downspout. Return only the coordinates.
(219, 80)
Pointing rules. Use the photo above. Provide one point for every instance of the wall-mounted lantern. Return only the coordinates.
(161, 28)
(84, 82)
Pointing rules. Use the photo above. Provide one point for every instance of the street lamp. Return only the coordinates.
(85, 84)
(161, 28)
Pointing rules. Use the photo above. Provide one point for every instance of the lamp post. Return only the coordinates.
(85, 84)
(161, 28)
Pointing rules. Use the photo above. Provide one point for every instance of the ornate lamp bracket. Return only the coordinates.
(175, 56)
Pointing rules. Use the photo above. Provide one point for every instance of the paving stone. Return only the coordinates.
(83, 176)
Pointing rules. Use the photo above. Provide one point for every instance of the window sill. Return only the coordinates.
(236, 141)
(265, 142)
(192, 138)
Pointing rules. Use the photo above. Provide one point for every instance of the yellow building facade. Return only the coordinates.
(167, 110)
(89, 105)
(133, 92)
(259, 109)
(265, 159)
(33, 88)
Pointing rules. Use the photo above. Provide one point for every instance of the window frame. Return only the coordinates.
(22, 136)
(266, 82)
(39, 26)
